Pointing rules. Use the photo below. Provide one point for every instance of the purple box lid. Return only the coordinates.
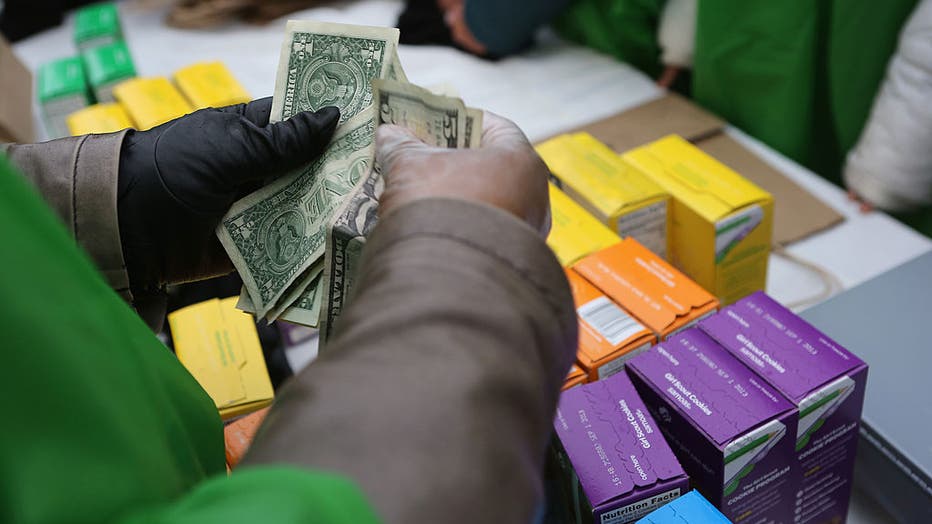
(708, 385)
(795, 357)
(612, 441)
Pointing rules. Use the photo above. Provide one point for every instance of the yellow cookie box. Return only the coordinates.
(574, 233)
(210, 84)
(151, 101)
(219, 345)
(722, 224)
(617, 194)
(98, 118)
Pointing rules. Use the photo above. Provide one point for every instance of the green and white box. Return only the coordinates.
(106, 66)
(97, 25)
(62, 90)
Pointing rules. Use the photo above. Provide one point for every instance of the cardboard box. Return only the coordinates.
(210, 84)
(16, 122)
(151, 101)
(722, 224)
(616, 466)
(106, 66)
(691, 508)
(618, 195)
(608, 335)
(574, 233)
(733, 433)
(824, 380)
(97, 24)
(220, 347)
(239, 434)
(62, 90)
(574, 378)
(98, 118)
(662, 298)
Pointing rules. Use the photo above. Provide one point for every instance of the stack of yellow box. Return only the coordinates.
(210, 84)
(617, 194)
(144, 103)
(722, 223)
(574, 233)
(220, 347)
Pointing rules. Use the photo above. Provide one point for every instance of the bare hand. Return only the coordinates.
(505, 172)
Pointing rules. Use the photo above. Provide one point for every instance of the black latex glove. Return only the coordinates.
(177, 180)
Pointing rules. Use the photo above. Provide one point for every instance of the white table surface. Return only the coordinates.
(553, 87)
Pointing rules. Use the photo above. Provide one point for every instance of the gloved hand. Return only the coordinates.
(177, 180)
(504, 172)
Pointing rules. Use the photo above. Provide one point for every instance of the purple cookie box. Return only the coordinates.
(625, 469)
(805, 365)
(710, 407)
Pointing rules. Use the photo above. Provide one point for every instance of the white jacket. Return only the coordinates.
(891, 166)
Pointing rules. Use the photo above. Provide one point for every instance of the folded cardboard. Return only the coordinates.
(16, 119)
(733, 433)
(797, 213)
(616, 466)
(722, 224)
(621, 197)
(97, 24)
(822, 379)
(219, 345)
(574, 378)
(608, 336)
(657, 294)
(98, 118)
(210, 84)
(691, 508)
(574, 233)
(106, 66)
(151, 101)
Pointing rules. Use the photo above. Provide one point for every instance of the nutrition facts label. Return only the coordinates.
(648, 226)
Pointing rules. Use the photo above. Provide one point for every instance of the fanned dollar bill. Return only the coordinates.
(440, 121)
(324, 64)
(395, 71)
(436, 119)
(275, 234)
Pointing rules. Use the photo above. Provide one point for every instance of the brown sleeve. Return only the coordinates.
(77, 177)
(437, 393)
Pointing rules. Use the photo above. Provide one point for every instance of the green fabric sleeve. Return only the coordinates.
(625, 29)
(100, 420)
(280, 495)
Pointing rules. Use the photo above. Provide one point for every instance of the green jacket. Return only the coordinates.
(101, 423)
(800, 75)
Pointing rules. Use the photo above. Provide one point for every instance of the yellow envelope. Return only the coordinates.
(219, 345)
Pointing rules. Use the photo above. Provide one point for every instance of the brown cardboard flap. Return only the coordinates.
(671, 114)
(797, 213)
(16, 123)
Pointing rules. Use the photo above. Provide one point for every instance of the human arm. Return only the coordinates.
(437, 392)
(488, 27)
(145, 204)
(891, 165)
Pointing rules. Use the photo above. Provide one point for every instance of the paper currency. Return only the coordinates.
(274, 235)
(438, 120)
(324, 64)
